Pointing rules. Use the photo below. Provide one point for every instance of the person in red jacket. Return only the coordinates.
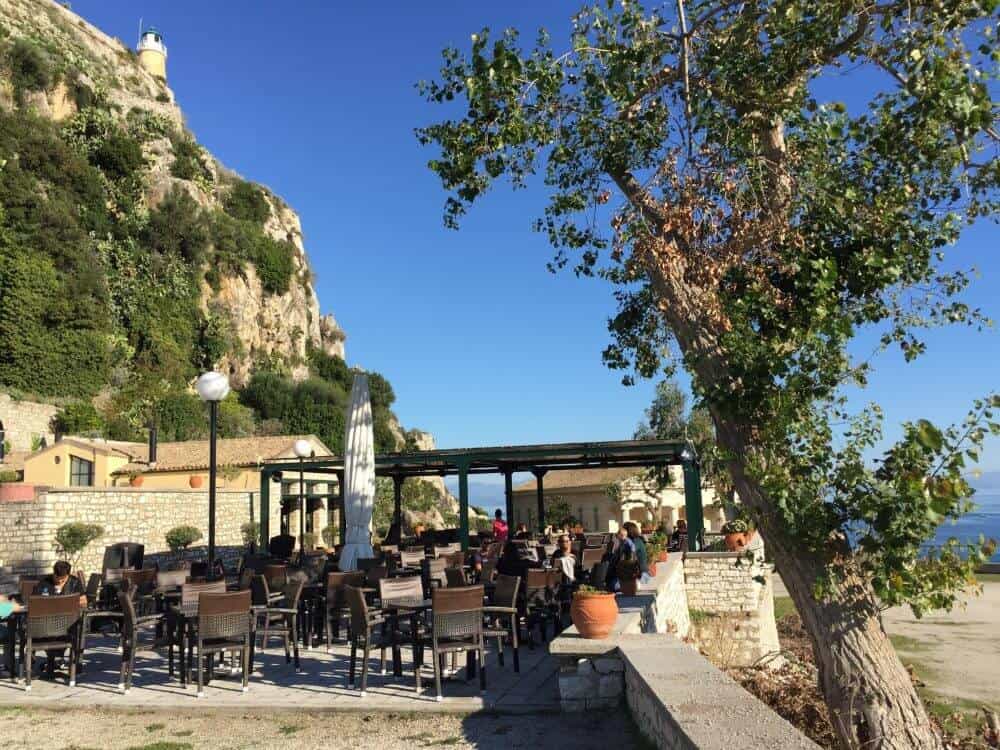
(500, 530)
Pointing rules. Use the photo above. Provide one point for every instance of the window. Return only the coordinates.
(81, 472)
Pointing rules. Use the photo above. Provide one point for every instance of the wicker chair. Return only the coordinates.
(336, 602)
(363, 635)
(594, 541)
(51, 625)
(276, 576)
(26, 587)
(131, 626)
(455, 577)
(432, 573)
(538, 600)
(140, 585)
(225, 623)
(454, 559)
(166, 579)
(280, 620)
(458, 627)
(503, 617)
(411, 558)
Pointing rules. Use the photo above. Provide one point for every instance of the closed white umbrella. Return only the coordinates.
(359, 476)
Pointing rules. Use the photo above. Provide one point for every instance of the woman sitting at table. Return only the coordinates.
(564, 559)
(513, 563)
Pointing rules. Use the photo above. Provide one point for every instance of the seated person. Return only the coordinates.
(563, 558)
(678, 540)
(61, 582)
(522, 532)
(513, 563)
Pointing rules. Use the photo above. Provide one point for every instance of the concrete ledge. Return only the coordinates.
(569, 642)
(680, 701)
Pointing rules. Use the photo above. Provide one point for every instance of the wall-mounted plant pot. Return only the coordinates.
(736, 542)
(196, 481)
(135, 481)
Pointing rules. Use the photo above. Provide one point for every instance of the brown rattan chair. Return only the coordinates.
(26, 587)
(336, 602)
(502, 617)
(591, 556)
(51, 625)
(454, 559)
(455, 577)
(458, 627)
(411, 558)
(432, 573)
(276, 576)
(131, 626)
(225, 623)
(538, 601)
(363, 635)
(281, 617)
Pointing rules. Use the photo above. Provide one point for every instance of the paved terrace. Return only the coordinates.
(320, 685)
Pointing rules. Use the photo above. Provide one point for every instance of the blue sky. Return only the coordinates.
(482, 345)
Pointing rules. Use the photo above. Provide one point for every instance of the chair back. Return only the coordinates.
(170, 579)
(446, 549)
(93, 588)
(199, 569)
(599, 575)
(276, 575)
(389, 549)
(191, 591)
(282, 545)
(359, 609)
(312, 564)
(593, 540)
(366, 563)
(536, 586)
(260, 592)
(408, 587)
(553, 578)
(591, 556)
(411, 558)
(432, 572)
(488, 572)
(576, 547)
(26, 586)
(376, 574)
(52, 616)
(505, 591)
(547, 549)
(335, 583)
(293, 593)
(223, 615)
(114, 575)
(458, 613)
(142, 581)
(455, 577)
(454, 559)
(245, 579)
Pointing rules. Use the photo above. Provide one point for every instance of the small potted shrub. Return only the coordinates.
(330, 534)
(736, 534)
(251, 534)
(656, 552)
(628, 576)
(593, 612)
(180, 538)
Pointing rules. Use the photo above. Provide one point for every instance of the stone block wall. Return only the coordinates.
(731, 604)
(27, 528)
(25, 420)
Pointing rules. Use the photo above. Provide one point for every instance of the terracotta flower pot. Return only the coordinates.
(652, 568)
(195, 481)
(662, 557)
(136, 481)
(736, 542)
(630, 586)
(594, 615)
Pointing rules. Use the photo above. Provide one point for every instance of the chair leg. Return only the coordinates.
(131, 667)
(246, 664)
(515, 646)
(121, 673)
(364, 665)
(500, 650)
(27, 662)
(482, 669)
(72, 666)
(200, 666)
(295, 642)
(354, 659)
(437, 674)
(327, 628)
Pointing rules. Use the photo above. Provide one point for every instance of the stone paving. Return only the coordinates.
(321, 684)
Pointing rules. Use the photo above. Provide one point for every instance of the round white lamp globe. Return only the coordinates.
(212, 386)
(302, 448)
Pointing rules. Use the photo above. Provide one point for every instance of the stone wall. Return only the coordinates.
(23, 421)
(27, 528)
(731, 603)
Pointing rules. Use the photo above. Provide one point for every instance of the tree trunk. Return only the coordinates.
(872, 702)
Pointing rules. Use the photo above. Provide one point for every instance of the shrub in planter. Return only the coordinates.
(73, 538)
(628, 576)
(736, 534)
(180, 538)
(308, 541)
(593, 612)
(330, 534)
(250, 532)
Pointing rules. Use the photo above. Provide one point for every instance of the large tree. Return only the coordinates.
(695, 156)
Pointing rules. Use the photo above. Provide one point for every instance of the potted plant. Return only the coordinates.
(628, 576)
(251, 535)
(73, 538)
(307, 542)
(736, 534)
(180, 538)
(135, 479)
(593, 612)
(655, 552)
(195, 481)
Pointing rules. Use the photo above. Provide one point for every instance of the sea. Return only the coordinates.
(985, 519)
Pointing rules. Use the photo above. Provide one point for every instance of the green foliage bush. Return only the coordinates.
(177, 228)
(30, 68)
(246, 202)
(181, 537)
(330, 534)
(73, 538)
(189, 161)
(251, 533)
(239, 241)
(79, 418)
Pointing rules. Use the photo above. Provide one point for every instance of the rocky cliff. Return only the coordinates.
(267, 325)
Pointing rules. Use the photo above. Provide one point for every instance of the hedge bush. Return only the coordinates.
(181, 537)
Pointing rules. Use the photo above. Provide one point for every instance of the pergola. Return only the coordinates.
(507, 460)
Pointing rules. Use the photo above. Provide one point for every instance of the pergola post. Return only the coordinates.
(508, 496)
(342, 516)
(265, 510)
(539, 473)
(692, 500)
(397, 499)
(463, 503)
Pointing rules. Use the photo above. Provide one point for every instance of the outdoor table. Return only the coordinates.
(393, 608)
(187, 615)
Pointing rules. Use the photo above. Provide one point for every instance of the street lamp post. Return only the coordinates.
(302, 449)
(212, 387)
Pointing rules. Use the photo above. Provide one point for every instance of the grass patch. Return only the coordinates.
(155, 727)
(905, 643)
(184, 733)
(421, 737)
(289, 729)
(164, 746)
(447, 741)
(783, 606)
(699, 616)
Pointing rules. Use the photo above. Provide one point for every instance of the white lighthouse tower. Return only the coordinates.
(153, 53)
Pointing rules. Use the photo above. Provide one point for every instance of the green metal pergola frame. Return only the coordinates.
(506, 460)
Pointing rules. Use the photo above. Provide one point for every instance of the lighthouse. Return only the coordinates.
(153, 53)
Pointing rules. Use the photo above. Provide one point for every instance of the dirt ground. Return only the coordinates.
(108, 729)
